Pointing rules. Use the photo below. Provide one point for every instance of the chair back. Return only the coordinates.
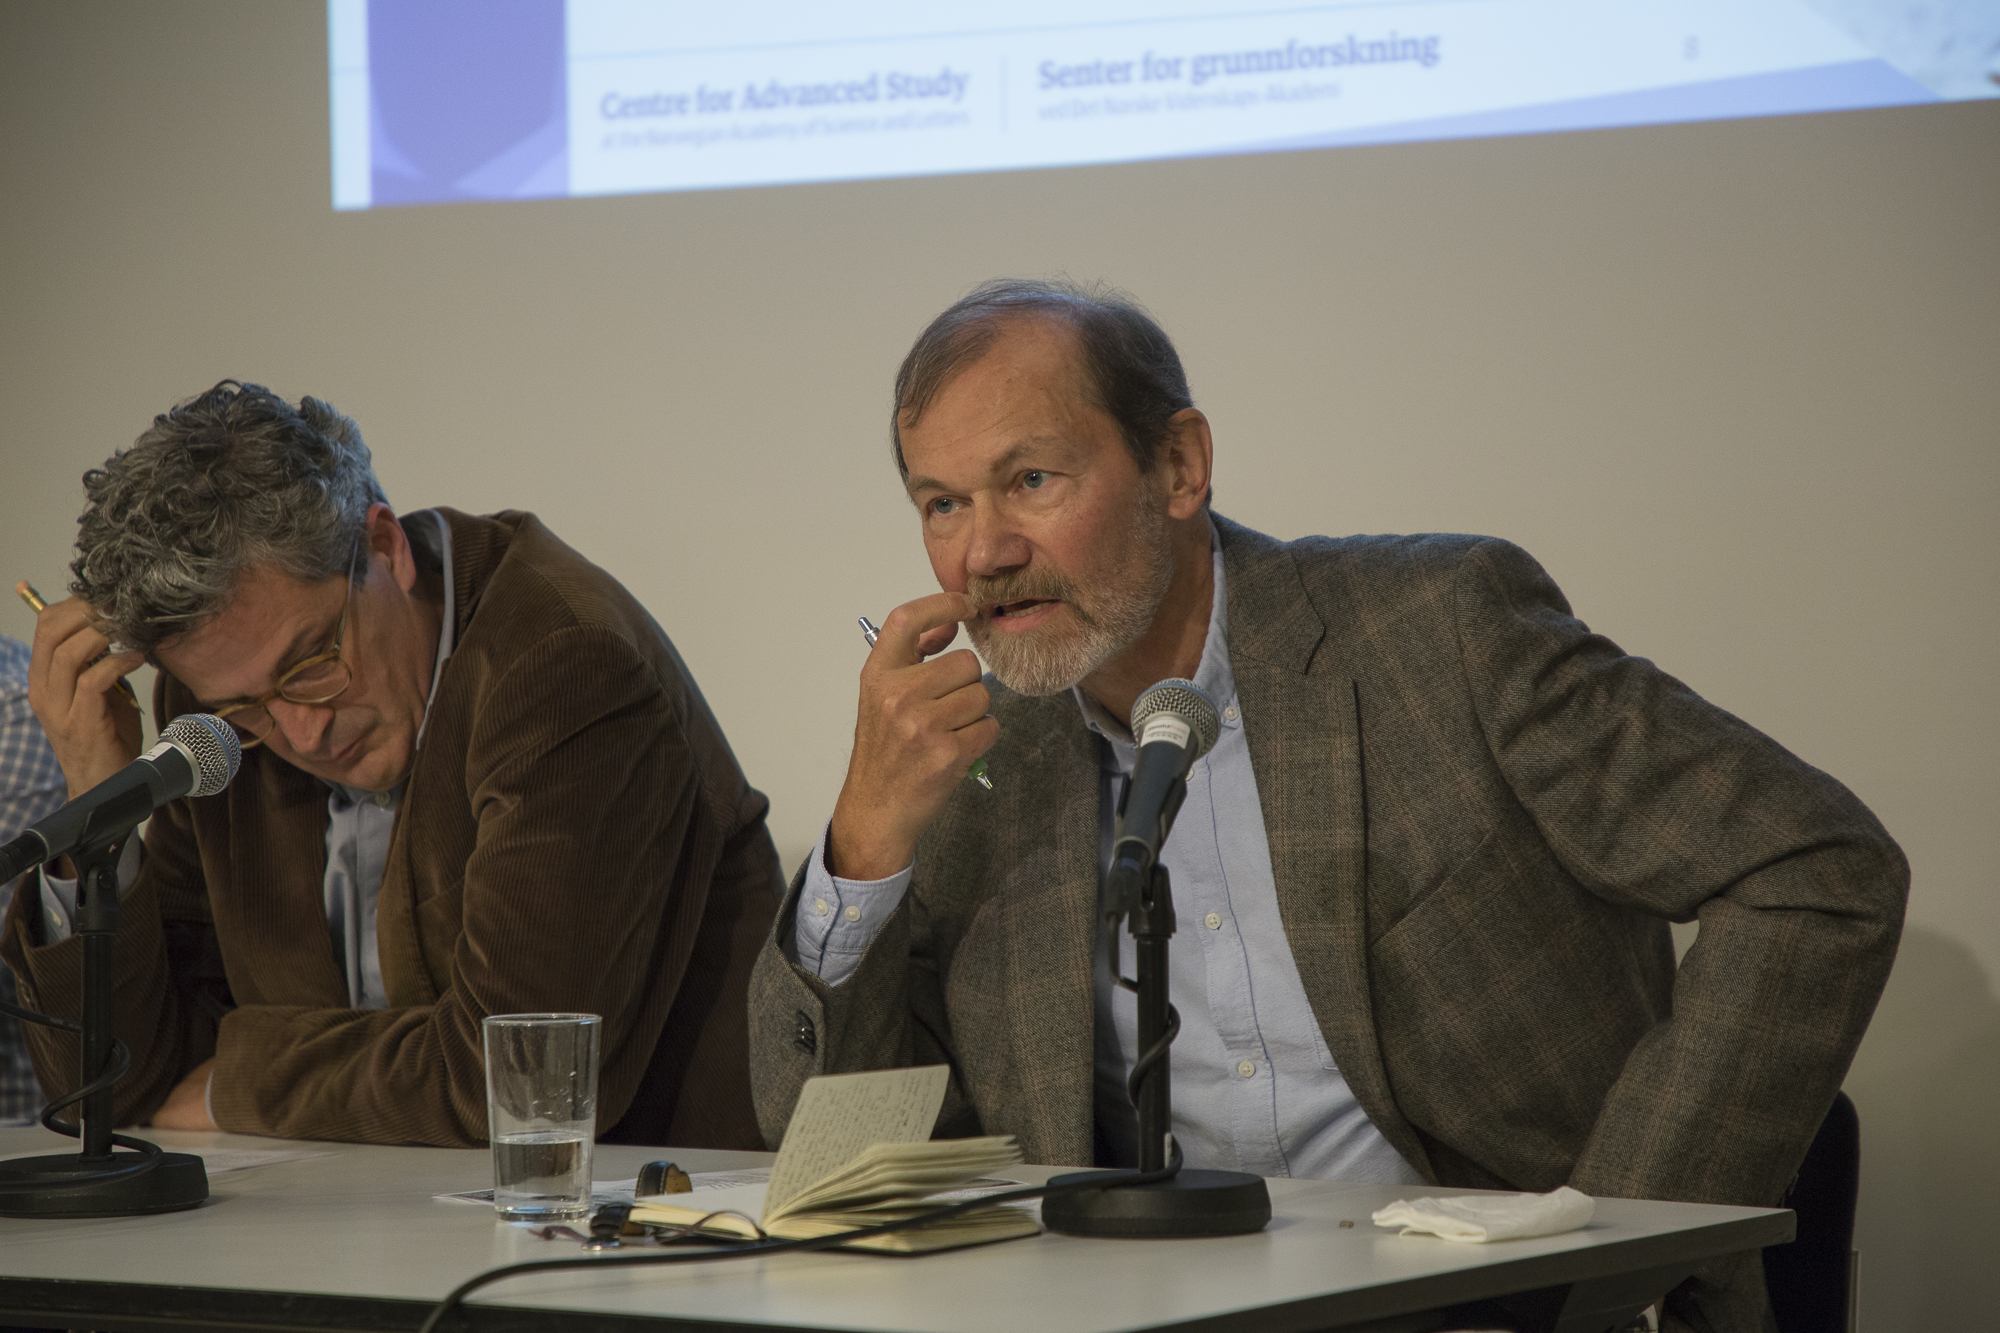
(1809, 1277)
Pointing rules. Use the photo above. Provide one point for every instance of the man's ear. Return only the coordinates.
(1187, 457)
(388, 542)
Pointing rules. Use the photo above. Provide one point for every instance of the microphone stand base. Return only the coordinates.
(1193, 1203)
(65, 1185)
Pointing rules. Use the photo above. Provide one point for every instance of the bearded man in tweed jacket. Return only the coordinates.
(1441, 838)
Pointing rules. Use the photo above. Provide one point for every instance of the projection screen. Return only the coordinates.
(516, 99)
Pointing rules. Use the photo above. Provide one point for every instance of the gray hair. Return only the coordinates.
(229, 479)
(1129, 366)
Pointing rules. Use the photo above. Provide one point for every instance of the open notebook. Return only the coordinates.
(856, 1154)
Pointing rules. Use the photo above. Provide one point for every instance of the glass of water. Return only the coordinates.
(541, 1113)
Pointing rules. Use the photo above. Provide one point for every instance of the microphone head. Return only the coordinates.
(211, 747)
(1183, 699)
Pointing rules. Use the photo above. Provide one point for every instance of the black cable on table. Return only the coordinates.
(1120, 1179)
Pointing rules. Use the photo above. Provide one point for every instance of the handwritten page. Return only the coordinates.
(839, 1115)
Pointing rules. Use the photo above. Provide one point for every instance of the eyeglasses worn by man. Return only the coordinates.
(478, 779)
(1423, 880)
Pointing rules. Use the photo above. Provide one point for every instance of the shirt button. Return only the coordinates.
(819, 907)
(1213, 921)
(852, 914)
(1231, 713)
(1246, 1069)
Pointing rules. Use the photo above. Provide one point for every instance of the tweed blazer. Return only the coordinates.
(1481, 818)
(575, 836)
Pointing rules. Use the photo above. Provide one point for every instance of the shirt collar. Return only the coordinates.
(1213, 674)
(448, 630)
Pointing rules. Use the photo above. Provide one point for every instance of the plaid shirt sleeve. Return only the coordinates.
(31, 785)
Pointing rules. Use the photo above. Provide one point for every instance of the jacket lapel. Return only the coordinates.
(275, 833)
(407, 975)
(1303, 728)
(413, 974)
(1046, 920)
(262, 843)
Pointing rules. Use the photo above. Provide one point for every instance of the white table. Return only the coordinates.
(355, 1240)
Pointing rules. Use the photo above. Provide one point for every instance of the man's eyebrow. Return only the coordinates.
(295, 652)
(999, 465)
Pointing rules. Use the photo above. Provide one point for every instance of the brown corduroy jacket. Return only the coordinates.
(575, 836)
(1481, 819)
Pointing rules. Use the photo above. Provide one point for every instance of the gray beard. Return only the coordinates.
(1108, 621)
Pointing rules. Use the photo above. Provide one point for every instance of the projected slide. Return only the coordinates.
(441, 100)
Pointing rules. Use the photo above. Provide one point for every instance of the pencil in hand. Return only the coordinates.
(37, 605)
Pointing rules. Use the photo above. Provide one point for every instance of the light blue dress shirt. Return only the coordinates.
(1255, 1088)
(359, 825)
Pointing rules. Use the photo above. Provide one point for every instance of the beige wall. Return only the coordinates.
(1733, 383)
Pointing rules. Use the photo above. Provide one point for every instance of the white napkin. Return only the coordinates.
(1482, 1217)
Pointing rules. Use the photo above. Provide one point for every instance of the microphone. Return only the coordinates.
(1175, 723)
(197, 755)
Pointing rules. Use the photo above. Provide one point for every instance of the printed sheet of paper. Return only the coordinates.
(215, 1161)
(601, 1193)
(839, 1115)
(745, 1199)
(621, 1191)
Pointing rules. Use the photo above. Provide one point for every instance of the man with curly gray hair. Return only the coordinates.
(234, 478)
(444, 717)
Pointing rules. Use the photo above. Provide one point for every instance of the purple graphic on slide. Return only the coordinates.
(467, 100)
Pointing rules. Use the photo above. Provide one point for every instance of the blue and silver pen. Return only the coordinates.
(978, 770)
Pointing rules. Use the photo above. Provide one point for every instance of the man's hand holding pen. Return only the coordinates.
(74, 685)
(921, 723)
